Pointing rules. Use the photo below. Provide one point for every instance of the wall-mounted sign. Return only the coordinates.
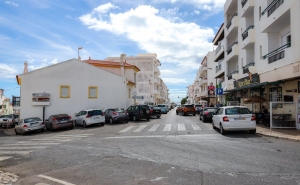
(248, 80)
(211, 90)
(40, 99)
(219, 91)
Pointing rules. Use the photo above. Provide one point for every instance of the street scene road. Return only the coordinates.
(174, 149)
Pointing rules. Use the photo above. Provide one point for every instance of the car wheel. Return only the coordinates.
(71, 127)
(16, 132)
(222, 131)
(126, 121)
(213, 125)
(134, 118)
(148, 118)
(84, 124)
(42, 130)
(75, 123)
(176, 112)
(51, 128)
(22, 133)
(158, 117)
(111, 121)
(194, 114)
(200, 118)
(252, 131)
(203, 119)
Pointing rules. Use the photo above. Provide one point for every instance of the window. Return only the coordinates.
(260, 50)
(64, 91)
(93, 92)
(259, 12)
(129, 93)
(288, 39)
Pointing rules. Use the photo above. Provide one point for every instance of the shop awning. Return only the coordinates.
(252, 86)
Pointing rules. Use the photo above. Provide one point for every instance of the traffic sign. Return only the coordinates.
(219, 91)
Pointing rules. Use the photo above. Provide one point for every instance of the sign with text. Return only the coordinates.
(211, 91)
(248, 80)
(219, 91)
(137, 97)
(40, 99)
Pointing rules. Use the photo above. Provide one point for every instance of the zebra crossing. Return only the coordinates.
(166, 128)
(9, 150)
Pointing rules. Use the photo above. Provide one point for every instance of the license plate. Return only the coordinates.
(156, 111)
(63, 121)
(239, 118)
(96, 117)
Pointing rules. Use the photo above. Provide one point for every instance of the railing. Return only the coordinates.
(219, 47)
(229, 22)
(16, 103)
(244, 2)
(230, 74)
(277, 54)
(272, 7)
(230, 47)
(246, 67)
(245, 33)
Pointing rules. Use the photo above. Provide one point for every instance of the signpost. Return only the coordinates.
(219, 91)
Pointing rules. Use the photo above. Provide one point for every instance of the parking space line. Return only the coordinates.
(10, 152)
(168, 127)
(5, 157)
(153, 128)
(181, 127)
(126, 129)
(29, 144)
(140, 128)
(55, 180)
(195, 126)
(22, 147)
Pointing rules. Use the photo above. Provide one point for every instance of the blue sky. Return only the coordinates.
(46, 32)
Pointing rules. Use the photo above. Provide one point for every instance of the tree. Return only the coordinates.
(183, 101)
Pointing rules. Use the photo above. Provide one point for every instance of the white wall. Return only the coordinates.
(78, 75)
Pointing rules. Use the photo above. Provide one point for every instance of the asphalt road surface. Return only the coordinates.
(171, 150)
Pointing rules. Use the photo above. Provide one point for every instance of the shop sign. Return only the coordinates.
(40, 97)
(211, 90)
(248, 80)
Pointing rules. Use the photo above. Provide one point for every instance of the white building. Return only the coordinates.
(73, 85)
(149, 83)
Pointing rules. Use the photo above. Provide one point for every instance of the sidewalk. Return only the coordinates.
(290, 134)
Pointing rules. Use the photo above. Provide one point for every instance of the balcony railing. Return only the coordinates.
(244, 2)
(277, 54)
(246, 67)
(230, 47)
(245, 33)
(230, 74)
(272, 7)
(219, 47)
(229, 22)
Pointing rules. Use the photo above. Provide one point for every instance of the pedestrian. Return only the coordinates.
(218, 104)
(211, 105)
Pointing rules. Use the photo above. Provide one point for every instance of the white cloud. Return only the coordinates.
(175, 80)
(196, 12)
(105, 8)
(12, 3)
(182, 43)
(167, 72)
(7, 71)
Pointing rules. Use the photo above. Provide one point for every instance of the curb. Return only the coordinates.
(279, 137)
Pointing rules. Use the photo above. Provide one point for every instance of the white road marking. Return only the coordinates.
(5, 157)
(163, 136)
(69, 136)
(15, 152)
(208, 125)
(140, 128)
(55, 180)
(22, 147)
(42, 184)
(153, 128)
(196, 127)
(181, 127)
(49, 139)
(30, 144)
(168, 127)
(126, 129)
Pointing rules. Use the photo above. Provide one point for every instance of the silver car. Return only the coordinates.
(116, 115)
(29, 125)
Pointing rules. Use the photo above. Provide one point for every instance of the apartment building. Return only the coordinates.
(149, 84)
(262, 52)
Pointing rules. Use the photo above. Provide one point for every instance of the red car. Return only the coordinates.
(155, 112)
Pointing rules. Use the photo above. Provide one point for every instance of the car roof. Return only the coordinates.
(57, 115)
(30, 117)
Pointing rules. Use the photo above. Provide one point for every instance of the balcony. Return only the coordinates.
(246, 67)
(232, 26)
(276, 17)
(248, 37)
(220, 68)
(219, 49)
(247, 8)
(155, 91)
(230, 6)
(232, 51)
(156, 70)
(202, 69)
(277, 54)
(156, 80)
(203, 94)
(203, 81)
(230, 74)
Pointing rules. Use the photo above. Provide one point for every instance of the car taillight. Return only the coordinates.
(88, 116)
(70, 117)
(253, 118)
(43, 123)
(225, 118)
(54, 119)
(206, 113)
(24, 126)
(126, 113)
(114, 113)
(102, 114)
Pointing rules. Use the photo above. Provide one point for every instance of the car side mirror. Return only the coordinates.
(76, 115)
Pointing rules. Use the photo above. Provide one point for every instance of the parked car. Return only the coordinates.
(163, 107)
(58, 121)
(89, 117)
(186, 110)
(29, 125)
(16, 116)
(116, 115)
(7, 119)
(234, 118)
(155, 111)
(207, 113)
(198, 108)
(137, 112)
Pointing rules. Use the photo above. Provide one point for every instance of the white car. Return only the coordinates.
(234, 118)
(89, 117)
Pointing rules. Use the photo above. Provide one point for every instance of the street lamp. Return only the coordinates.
(79, 47)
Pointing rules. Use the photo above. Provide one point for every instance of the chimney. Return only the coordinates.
(122, 64)
(25, 67)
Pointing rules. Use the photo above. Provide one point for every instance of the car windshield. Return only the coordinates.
(6, 116)
(29, 120)
(211, 110)
(189, 106)
(237, 110)
(198, 105)
(161, 105)
(94, 112)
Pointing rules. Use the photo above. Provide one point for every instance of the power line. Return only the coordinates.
(11, 88)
